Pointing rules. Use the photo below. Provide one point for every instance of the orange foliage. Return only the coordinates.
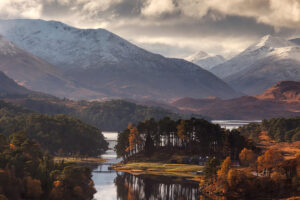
(56, 183)
(12, 146)
(222, 173)
(271, 158)
(247, 157)
(134, 138)
(181, 130)
(233, 177)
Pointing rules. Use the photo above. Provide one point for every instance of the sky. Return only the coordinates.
(174, 28)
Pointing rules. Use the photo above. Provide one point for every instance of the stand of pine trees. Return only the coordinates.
(193, 137)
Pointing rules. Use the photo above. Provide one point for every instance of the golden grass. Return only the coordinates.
(180, 170)
(80, 160)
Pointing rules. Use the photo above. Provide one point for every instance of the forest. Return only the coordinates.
(265, 176)
(26, 173)
(190, 137)
(113, 115)
(59, 134)
(279, 129)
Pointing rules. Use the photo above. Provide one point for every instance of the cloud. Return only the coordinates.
(20, 9)
(158, 7)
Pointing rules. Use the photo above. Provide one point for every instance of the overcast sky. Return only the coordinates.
(174, 28)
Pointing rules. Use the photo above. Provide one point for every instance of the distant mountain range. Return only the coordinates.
(261, 65)
(205, 60)
(280, 100)
(95, 64)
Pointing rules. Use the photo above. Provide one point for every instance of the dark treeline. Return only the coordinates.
(279, 129)
(155, 187)
(113, 115)
(192, 137)
(59, 134)
(28, 174)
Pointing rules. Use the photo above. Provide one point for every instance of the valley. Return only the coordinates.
(86, 113)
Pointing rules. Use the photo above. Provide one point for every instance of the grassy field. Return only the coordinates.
(181, 170)
(80, 160)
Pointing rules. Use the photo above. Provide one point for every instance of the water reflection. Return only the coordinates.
(153, 187)
(112, 185)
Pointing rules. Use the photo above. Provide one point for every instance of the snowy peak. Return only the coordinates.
(68, 47)
(205, 60)
(269, 41)
(196, 56)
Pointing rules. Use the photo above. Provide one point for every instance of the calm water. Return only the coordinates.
(233, 124)
(112, 185)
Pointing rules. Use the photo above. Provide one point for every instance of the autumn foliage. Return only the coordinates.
(26, 173)
(247, 157)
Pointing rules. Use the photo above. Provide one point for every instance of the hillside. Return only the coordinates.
(113, 115)
(10, 87)
(281, 100)
(101, 61)
(56, 134)
(261, 65)
(37, 74)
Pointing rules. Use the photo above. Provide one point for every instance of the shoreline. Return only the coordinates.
(87, 160)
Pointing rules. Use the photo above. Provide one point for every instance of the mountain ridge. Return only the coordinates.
(105, 63)
(261, 65)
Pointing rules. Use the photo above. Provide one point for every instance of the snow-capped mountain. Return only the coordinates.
(261, 65)
(36, 74)
(103, 62)
(205, 60)
(259, 50)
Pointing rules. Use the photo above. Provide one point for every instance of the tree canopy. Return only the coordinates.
(27, 173)
(53, 132)
(192, 137)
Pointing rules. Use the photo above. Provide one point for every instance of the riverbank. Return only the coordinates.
(87, 160)
(192, 172)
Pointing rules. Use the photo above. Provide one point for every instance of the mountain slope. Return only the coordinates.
(255, 52)
(205, 60)
(103, 62)
(281, 100)
(10, 87)
(36, 74)
(270, 60)
(285, 91)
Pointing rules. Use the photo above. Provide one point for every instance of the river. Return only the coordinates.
(112, 185)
